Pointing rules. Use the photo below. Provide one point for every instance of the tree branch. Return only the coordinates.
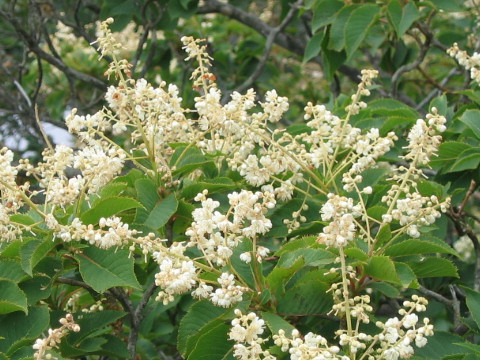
(58, 63)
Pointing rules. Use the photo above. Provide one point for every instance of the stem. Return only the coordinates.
(345, 292)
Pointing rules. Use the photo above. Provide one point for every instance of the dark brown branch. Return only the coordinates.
(424, 47)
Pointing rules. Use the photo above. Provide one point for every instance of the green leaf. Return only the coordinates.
(309, 298)
(384, 234)
(299, 243)
(147, 194)
(313, 47)
(22, 219)
(33, 251)
(11, 298)
(197, 316)
(279, 276)
(114, 347)
(385, 288)
(357, 26)
(22, 329)
(188, 159)
(448, 5)
(337, 31)
(243, 269)
(449, 152)
(440, 345)
(433, 267)
(91, 323)
(104, 269)
(324, 13)
(312, 257)
(381, 268)
(416, 246)
(212, 344)
(112, 189)
(213, 186)
(37, 288)
(356, 253)
(402, 19)
(162, 212)
(11, 270)
(467, 160)
(405, 274)
(108, 207)
(471, 118)
(201, 317)
(473, 304)
(276, 323)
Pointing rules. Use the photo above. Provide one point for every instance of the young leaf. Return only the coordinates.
(104, 269)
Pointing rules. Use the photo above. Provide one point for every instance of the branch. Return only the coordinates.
(408, 67)
(58, 63)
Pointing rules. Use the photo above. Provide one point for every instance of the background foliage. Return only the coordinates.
(313, 54)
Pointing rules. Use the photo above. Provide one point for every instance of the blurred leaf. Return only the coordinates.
(471, 118)
(324, 13)
(357, 26)
(473, 304)
(313, 47)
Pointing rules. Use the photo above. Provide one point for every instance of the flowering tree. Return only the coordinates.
(194, 223)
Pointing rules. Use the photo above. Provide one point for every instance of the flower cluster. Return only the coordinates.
(398, 335)
(414, 209)
(216, 234)
(246, 331)
(471, 63)
(54, 338)
(395, 341)
(341, 213)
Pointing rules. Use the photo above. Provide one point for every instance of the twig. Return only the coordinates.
(408, 67)
(435, 92)
(42, 130)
